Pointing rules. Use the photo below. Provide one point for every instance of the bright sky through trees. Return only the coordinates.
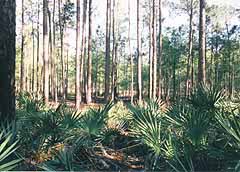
(99, 14)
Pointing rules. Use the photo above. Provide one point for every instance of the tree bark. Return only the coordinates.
(160, 52)
(190, 46)
(230, 70)
(150, 52)
(83, 48)
(107, 51)
(89, 69)
(202, 44)
(66, 74)
(154, 91)
(130, 51)
(139, 57)
(54, 59)
(23, 65)
(50, 43)
(78, 60)
(7, 59)
(61, 32)
(113, 54)
(38, 52)
(45, 51)
(33, 57)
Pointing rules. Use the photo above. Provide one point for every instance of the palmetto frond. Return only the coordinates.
(206, 98)
(147, 126)
(7, 149)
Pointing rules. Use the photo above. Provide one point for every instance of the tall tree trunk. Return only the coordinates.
(150, 52)
(113, 54)
(115, 86)
(33, 57)
(202, 44)
(96, 79)
(160, 51)
(139, 56)
(192, 69)
(45, 51)
(154, 51)
(66, 74)
(83, 48)
(23, 65)
(7, 59)
(130, 50)
(28, 74)
(174, 74)
(211, 62)
(229, 62)
(216, 61)
(190, 46)
(61, 32)
(78, 61)
(54, 58)
(107, 52)
(233, 74)
(51, 54)
(89, 70)
(38, 52)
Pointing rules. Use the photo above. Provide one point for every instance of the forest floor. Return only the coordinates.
(97, 102)
(118, 158)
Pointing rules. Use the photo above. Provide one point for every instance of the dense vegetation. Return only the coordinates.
(197, 134)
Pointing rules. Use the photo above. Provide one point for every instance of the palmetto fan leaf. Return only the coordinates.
(147, 127)
(231, 124)
(206, 98)
(94, 120)
(63, 161)
(189, 123)
(30, 102)
(6, 150)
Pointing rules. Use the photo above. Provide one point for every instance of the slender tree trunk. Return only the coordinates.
(202, 44)
(233, 74)
(130, 51)
(139, 56)
(192, 69)
(96, 79)
(66, 74)
(154, 51)
(38, 52)
(107, 52)
(216, 61)
(7, 59)
(45, 51)
(85, 65)
(190, 46)
(150, 52)
(61, 32)
(78, 60)
(212, 64)
(33, 58)
(23, 74)
(174, 75)
(51, 55)
(83, 48)
(89, 72)
(113, 53)
(160, 51)
(115, 86)
(229, 62)
(54, 60)
(28, 73)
